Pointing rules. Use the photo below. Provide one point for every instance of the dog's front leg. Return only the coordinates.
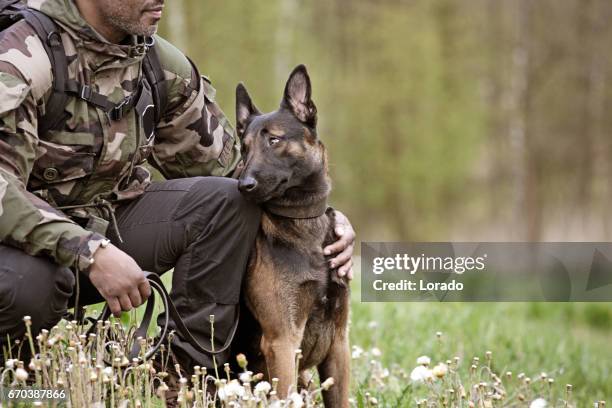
(279, 352)
(337, 366)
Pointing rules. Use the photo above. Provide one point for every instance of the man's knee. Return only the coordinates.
(31, 286)
(230, 204)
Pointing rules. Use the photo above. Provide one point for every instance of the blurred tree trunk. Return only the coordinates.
(495, 90)
(526, 172)
(587, 101)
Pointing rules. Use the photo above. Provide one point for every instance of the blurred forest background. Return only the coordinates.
(444, 119)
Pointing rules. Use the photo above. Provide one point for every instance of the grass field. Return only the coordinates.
(570, 343)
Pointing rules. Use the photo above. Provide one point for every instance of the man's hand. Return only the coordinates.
(118, 279)
(343, 247)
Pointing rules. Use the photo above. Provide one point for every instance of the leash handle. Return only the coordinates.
(170, 313)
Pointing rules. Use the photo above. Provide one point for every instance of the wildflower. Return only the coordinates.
(231, 389)
(21, 374)
(10, 363)
(423, 361)
(245, 377)
(296, 400)
(327, 384)
(357, 352)
(376, 352)
(162, 389)
(242, 360)
(263, 387)
(440, 370)
(421, 374)
(538, 403)
(372, 325)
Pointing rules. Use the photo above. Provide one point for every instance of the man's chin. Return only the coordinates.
(150, 30)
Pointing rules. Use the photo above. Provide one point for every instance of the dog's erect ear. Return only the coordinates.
(244, 109)
(297, 97)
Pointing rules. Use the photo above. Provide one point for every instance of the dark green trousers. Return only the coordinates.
(202, 227)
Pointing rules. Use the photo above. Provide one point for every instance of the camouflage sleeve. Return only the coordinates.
(27, 222)
(194, 137)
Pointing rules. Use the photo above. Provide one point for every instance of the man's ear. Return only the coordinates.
(244, 109)
(297, 97)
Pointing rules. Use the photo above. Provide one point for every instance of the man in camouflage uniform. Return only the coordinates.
(64, 192)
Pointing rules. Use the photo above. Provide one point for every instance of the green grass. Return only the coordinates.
(568, 341)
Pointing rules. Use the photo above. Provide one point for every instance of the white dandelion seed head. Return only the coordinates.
(424, 361)
(538, 403)
(21, 374)
(245, 377)
(327, 384)
(296, 400)
(231, 389)
(357, 352)
(421, 374)
(262, 387)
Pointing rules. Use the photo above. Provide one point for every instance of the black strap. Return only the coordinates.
(154, 74)
(115, 111)
(171, 312)
(312, 210)
(49, 34)
(5, 4)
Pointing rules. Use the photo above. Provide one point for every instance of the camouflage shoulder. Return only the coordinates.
(172, 60)
(23, 56)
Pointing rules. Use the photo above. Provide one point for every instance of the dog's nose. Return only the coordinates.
(247, 184)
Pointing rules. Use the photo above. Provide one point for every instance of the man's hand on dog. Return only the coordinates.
(343, 247)
(119, 279)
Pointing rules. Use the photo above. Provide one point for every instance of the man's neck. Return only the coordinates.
(91, 13)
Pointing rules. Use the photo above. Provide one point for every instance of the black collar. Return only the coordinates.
(307, 211)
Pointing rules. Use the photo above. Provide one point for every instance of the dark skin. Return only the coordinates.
(114, 273)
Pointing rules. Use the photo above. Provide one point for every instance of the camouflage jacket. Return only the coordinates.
(92, 157)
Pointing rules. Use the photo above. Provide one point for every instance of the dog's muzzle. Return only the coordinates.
(247, 184)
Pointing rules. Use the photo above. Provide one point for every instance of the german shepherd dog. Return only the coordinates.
(296, 300)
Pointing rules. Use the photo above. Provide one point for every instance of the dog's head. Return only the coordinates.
(280, 150)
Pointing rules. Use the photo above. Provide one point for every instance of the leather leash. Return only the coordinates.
(159, 290)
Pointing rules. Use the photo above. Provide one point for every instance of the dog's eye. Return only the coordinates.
(273, 140)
